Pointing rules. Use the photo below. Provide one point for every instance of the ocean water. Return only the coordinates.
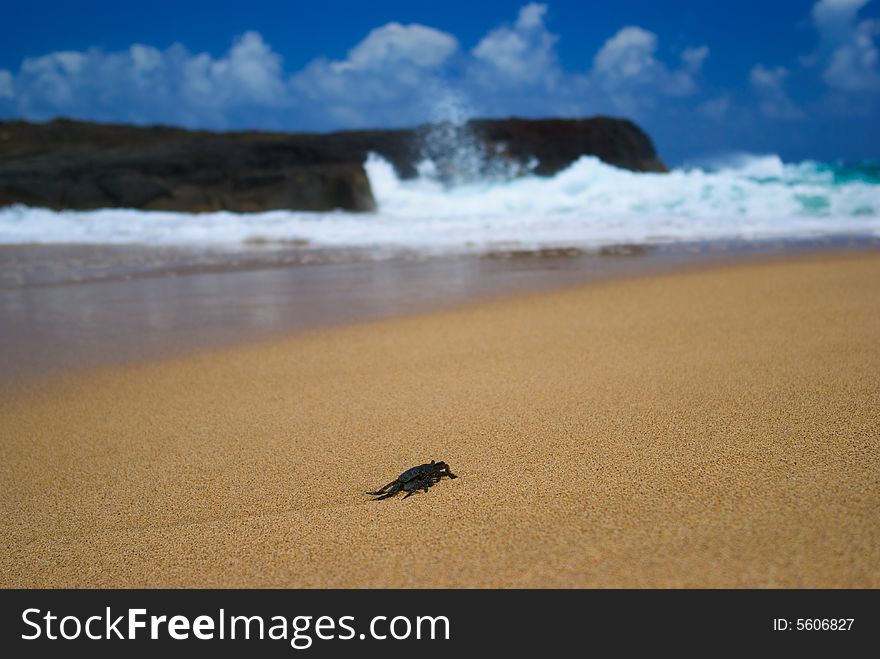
(83, 289)
(587, 206)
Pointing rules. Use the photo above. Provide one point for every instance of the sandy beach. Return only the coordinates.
(711, 428)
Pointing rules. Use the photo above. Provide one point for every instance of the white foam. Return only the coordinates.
(588, 204)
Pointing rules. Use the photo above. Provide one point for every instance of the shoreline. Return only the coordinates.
(711, 427)
(70, 327)
(106, 263)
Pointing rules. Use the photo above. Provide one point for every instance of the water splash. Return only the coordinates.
(453, 153)
(588, 205)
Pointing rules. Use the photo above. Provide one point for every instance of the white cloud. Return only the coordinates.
(531, 17)
(65, 62)
(521, 54)
(6, 87)
(250, 73)
(851, 62)
(769, 85)
(402, 74)
(52, 76)
(627, 70)
(387, 79)
(763, 78)
(396, 75)
(145, 84)
(328, 97)
(628, 54)
(628, 60)
(693, 58)
(716, 107)
(853, 67)
(834, 17)
(395, 44)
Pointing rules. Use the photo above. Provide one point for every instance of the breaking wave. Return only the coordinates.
(589, 204)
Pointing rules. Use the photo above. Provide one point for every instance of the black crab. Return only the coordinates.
(412, 480)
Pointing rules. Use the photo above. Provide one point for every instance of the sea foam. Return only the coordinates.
(589, 204)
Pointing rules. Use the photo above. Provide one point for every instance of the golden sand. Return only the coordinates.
(712, 428)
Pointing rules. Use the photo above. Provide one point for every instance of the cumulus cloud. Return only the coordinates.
(388, 78)
(834, 18)
(396, 75)
(523, 53)
(628, 54)
(6, 89)
(395, 44)
(627, 69)
(146, 84)
(251, 73)
(716, 107)
(851, 62)
(628, 60)
(693, 58)
(769, 85)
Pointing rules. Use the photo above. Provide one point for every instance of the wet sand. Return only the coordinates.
(716, 427)
(66, 307)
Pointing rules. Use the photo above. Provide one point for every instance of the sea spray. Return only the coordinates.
(453, 153)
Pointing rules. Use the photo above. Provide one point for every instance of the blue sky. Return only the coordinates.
(801, 79)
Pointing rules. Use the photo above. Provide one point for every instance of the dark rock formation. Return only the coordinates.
(556, 143)
(79, 165)
(66, 164)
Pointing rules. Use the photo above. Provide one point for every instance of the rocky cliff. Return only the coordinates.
(67, 164)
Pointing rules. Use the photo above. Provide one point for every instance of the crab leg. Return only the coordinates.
(394, 490)
(382, 489)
